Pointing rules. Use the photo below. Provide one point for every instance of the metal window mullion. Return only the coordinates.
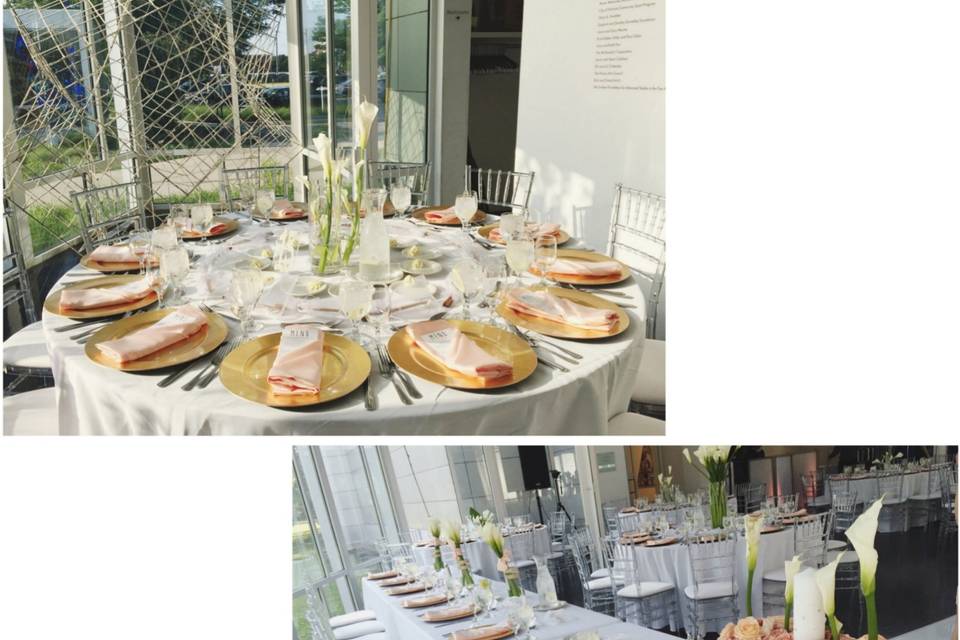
(390, 476)
(331, 507)
(310, 514)
(366, 473)
(298, 67)
(13, 188)
(331, 80)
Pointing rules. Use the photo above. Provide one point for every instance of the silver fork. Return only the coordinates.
(407, 381)
(219, 353)
(544, 361)
(609, 292)
(217, 361)
(84, 336)
(387, 371)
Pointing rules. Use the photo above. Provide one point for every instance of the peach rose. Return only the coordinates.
(747, 629)
(771, 624)
(780, 634)
(727, 632)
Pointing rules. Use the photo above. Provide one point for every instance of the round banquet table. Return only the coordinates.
(481, 557)
(672, 564)
(647, 518)
(93, 399)
(867, 488)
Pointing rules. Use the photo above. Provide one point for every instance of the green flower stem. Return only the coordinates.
(787, 613)
(750, 591)
(872, 626)
(718, 504)
(329, 215)
(355, 205)
(832, 621)
(437, 558)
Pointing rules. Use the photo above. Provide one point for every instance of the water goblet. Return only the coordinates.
(174, 267)
(379, 314)
(355, 297)
(467, 276)
(400, 197)
(180, 217)
(465, 207)
(245, 289)
(510, 225)
(156, 278)
(520, 255)
(546, 255)
(139, 242)
(263, 202)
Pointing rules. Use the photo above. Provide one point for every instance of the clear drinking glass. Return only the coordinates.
(245, 289)
(180, 217)
(355, 298)
(164, 237)
(201, 216)
(400, 197)
(156, 277)
(263, 203)
(520, 255)
(379, 314)
(465, 207)
(139, 243)
(546, 252)
(467, 276)
(510, 225)
(174, 267)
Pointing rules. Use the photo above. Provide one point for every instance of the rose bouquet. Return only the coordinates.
(750, 628)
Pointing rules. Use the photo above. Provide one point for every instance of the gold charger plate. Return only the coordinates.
(244, 371)
(230, 227)
(502, 344)
(484, 232)
(52, 303)
(420, 214)
(448, 613)
(560, 330)
(199, 344)
(588, 256)
(109, 267)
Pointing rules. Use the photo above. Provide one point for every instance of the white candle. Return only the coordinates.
(808, 617)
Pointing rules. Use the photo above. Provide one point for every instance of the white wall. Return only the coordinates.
(579, 139)
(612, 486)
(429, 468)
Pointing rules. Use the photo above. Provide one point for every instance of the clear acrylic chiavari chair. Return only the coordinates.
(108, 215)
(923, 508)
(414, 175)
(595, 583)
(500, 191)
(712, 597)
(647, 603)
(893, 515)
(810, 536)
(240, 185)
(636, 238)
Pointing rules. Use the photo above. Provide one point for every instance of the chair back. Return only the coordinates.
(581, 558)
(636, 238)
(414, 175)
(890, 486)
(713, 558)
(948, 487)
(520, 545)
(317, 616)
(754, 496)
(16, 282)
(238, 185)
(108, 214)
(810, 537)
(611, 517)
(732, 505)
(558, 527)
(844, 509)
(500, 188)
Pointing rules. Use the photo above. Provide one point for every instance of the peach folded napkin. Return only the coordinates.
(179, 325)
(299, 364)
(483, 633)
(565, 267)
(448, 613)
(534, 229)
(109, 253)
(543, 304)
(285, 209)
(79, 299)
(456, 351)
(441, 216)
(214, 229)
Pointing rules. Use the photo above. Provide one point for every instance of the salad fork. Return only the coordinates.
(388, 371)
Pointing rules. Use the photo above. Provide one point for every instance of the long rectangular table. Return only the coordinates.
(405, 624)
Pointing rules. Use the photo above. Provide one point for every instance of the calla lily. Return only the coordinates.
(825, 577)
(490, 533)
(366, 114)
(753, 525)
(790, 569)
(686, 454)
(325, 152)
(451, 531)
(434, 527)
(861, 534)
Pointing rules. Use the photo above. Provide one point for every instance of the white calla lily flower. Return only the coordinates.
(434, 526)
(861, 535)
(791, 568)
(324, 151)
(826, 577)
(366, 114)
(753, 526)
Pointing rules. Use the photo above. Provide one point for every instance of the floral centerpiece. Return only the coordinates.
(750, 628)
(365, 116)
(451, 531)
(481, 519)
(888, 459)
(667, 490)
(714, 461)
(492, 536)
(826, 577)
(435, 532)
(324, 205)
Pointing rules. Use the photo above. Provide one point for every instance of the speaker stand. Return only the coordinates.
(539, 507)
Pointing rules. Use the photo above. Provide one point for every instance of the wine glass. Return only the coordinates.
(139, 242)
(245, 289)
(379, 314)
(520, 618)
(174, 267)
(467, 276)
(247, 196)
(546, 252)
(465, 207)
(510, 225)
(355, 298)
(201, 216)
(155, 276)
(180, 217)
(263, 203)
(520, 255)
(164, 237)
(400, 197)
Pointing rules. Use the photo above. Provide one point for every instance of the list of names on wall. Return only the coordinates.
(628, 46)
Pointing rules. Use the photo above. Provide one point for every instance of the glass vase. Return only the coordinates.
(325, 229)
(437, 557)
(718, 503)
(512, 577)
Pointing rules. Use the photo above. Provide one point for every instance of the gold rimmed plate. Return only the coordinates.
(244, 371)
(561, 330)
(420, 214)
(198, 345)
(499, 343)
(587, 256)
(229, 227)
(562, 238)
(109, 267)
(52, 303)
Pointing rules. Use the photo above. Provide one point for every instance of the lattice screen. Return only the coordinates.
(114, 90)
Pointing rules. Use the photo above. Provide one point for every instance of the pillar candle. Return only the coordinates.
(808, 617)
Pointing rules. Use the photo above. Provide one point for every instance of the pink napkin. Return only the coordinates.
(179, 325)
(108, 253)
(95, 298)
(565, 267)
(542, 304)
(285, 209)
(442, 216)
(217, 228)
(534, 229)
(299, 364)
(454, 350)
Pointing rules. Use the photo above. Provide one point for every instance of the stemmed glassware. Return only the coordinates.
(546, 252)
(201, 216)
(263, 203)
(467, 276)
(400, 197)
(356, 297)
(174, 267)
(520, 255)
(520, 619)
(180, 217)
(155, 275)
(245, 289)
(139, 242)
(465, 207)
(494, 273)
(379, 314)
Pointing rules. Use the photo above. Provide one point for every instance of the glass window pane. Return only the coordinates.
(353, 501)
(317, 509)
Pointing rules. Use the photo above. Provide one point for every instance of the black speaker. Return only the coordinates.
(533, 465)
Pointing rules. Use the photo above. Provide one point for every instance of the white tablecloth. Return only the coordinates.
(481, 557)
(96, 400)
(866, 487)
(672, 564)
(404, 624)
(647, 519)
